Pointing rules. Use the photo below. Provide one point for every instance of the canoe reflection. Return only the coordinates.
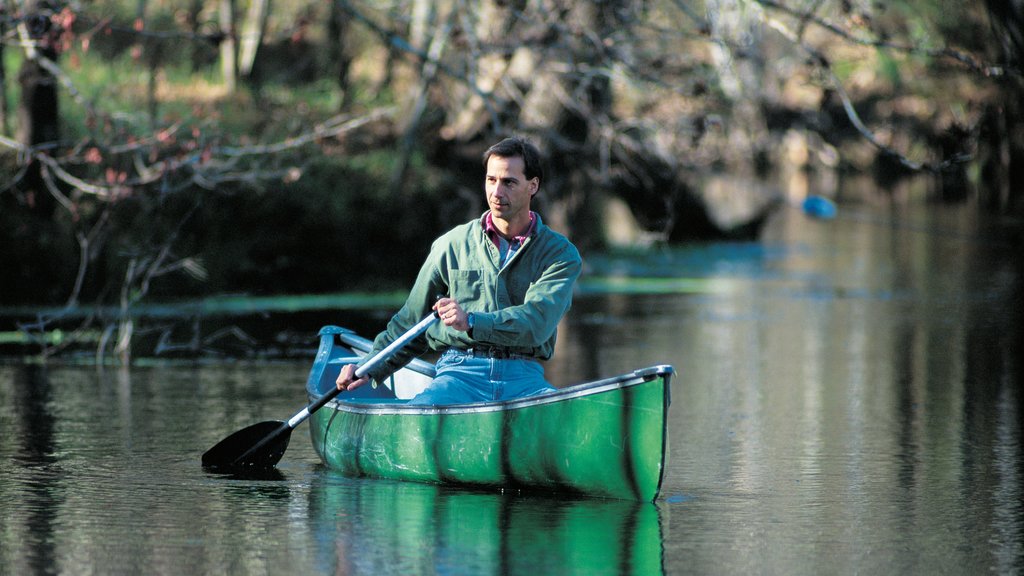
(375, 526)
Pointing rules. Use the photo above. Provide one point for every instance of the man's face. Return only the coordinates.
(508, 191)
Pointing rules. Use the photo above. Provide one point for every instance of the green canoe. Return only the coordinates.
(604, 438)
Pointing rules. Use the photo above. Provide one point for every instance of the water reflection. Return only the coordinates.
(368, 526)
(852, 402)
(34, 451)
(99, 474)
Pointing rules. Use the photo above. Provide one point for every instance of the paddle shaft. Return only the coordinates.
(264, 443)
(381, 357)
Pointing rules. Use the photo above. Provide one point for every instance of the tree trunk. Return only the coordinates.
(4, 123)
(253, 29)
(228, 45)
(339, 27)
(196, 49)
(37, 109)
(38, 118)
(1002, 139)
(145, 51)
(742, 76)
(428, 71)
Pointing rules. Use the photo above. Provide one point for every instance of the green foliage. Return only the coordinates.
(335, 227)
(889, 68)
(254, 229)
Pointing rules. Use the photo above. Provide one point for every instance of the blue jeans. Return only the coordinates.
(463, 378)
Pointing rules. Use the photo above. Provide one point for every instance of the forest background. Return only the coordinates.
(159, 150)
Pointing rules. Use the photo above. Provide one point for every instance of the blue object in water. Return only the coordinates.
(819, 207)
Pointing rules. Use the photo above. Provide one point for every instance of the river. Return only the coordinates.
(847, 399)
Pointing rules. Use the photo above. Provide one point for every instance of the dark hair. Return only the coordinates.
(518, 147)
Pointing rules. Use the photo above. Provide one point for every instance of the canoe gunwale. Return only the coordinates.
(362, 345)
(564, 394)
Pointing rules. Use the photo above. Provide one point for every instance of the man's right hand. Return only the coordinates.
(347, 379)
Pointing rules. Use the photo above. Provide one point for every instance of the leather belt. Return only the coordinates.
(495, 353)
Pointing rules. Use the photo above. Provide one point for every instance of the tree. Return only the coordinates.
(1002, 139)
(252, 34)
(651, 104)
(650, 101)
(38, 116)
(228, 44)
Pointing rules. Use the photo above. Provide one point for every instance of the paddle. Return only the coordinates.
(261, 445)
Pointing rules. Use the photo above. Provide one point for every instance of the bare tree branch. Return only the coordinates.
(851, 111)
(968, 60)
(395, 40)
(331, 128)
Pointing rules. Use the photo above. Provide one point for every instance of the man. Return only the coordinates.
(506, 281)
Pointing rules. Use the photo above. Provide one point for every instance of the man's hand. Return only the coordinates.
(347, 381)
(452, 314)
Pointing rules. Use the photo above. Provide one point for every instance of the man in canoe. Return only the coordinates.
(507, 280)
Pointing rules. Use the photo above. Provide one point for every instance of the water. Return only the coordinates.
(847, 399)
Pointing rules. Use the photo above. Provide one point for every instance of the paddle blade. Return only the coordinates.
(256, 447)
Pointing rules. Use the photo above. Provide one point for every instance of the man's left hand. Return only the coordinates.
(452, 314)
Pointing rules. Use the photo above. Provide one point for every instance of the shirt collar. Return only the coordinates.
(494, 235)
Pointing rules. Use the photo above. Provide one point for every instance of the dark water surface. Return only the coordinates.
(848, 400)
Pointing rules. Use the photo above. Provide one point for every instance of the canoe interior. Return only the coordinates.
(340, 346)
(603, 438)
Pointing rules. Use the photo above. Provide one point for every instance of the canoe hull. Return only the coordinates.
(606, 438)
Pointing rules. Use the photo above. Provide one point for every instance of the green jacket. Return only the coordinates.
(517, 307)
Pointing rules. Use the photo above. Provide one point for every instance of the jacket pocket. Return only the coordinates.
(466, 286)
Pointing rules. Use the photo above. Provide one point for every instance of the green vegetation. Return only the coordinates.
(353, 139)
